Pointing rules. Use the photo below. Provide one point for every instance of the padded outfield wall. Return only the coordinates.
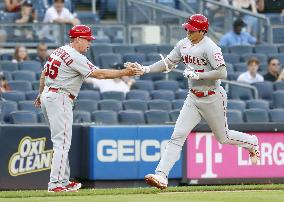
(112, 156)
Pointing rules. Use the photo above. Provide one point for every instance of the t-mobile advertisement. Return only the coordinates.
(206, 158)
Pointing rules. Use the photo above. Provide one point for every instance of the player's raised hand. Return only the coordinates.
(37, 102)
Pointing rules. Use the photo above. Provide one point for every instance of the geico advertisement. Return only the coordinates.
(206, 158)
(30, 157)
(128, 152)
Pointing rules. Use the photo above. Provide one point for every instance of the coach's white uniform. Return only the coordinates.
(65, 71)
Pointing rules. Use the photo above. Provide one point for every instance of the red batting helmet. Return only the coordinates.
(196, 22)
(81, 31)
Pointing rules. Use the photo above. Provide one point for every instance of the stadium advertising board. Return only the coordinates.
(206, 158)
(128, 152)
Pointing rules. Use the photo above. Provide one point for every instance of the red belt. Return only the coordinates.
(57, 89)
(202, 94)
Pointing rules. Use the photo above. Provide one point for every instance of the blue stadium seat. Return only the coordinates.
(136, 104)
(104, 117)
(177, 104)
(265, 89)
(279, 85)
(160, 105)
(7, 75)
(230, 67)
(166, 85)
(154, 57)
(81, 116)
(277, 33)
(8, 66)
(256, 115)
(86, 105)
(138, 94)
(7, 108)
(122, 49)
(134, 57)
(20, 85)
(241, 49)
(6, 56)
(14, 96)
(257, 104)
(89, 86)
(261, 57)
(174, 115)
(225, 49)
(281, 49)
(277, 99)
(111, 105)
(87, 17)
(30, 66)
(97, 49)
(234, 116)
(143, 85)
(240, 67)
(231, 58)
(109, 60)
(28, 106)
(157, 117)
(131, 117)
(265, 49)
(163, 94)
(35, 85)
(154, 76)
(276, 115)
(89, 94)
(181, 94)
(24, 75)
(115, 95)
(165, 49)
(31, 95)
(146, 49)
(23, 117)
(236, 92)
(236, 105)
(232, 76)
(41, 118)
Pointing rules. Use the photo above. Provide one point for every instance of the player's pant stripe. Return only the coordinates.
(225, 115)
(61, 162)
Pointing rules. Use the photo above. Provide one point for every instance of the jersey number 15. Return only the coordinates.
(52, 68)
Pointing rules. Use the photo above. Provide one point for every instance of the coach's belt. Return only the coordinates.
(202, 94)
(58, 89)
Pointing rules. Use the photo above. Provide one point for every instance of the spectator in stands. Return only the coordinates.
(122, 84)
(42, 54)
(268, 6)
(20, 54)
(251, 75)
(4, 86)
(57, 14)
(249, 5)
(237, 36)
(12, 5)
(27, 12)
(273, 70)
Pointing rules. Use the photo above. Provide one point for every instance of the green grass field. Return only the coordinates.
(232, 193)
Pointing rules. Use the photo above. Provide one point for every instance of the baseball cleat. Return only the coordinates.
(255, 153)
(58, 189)
(155, 180)
(73, 186)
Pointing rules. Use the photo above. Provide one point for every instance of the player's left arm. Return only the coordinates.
(37, 102)
(220, 73)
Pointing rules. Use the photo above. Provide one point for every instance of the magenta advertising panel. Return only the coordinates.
(206, 158)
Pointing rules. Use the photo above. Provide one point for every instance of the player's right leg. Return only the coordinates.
(59, 112)
(188, 118)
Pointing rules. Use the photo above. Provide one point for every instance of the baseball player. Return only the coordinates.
(60, 83)
(206, 98)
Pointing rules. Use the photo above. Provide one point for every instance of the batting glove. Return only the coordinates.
(190, 74)
(144, 69)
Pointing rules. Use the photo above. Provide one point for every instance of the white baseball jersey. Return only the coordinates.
(202, 57)
(66, 69)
